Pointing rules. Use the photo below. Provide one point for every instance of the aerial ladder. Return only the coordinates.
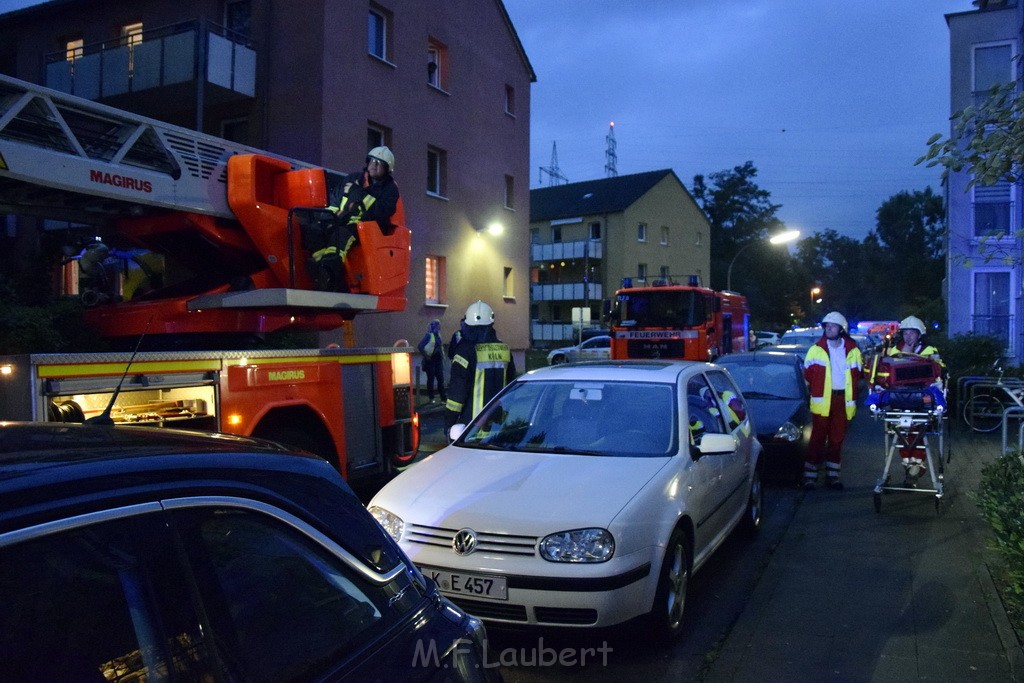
(226, 219)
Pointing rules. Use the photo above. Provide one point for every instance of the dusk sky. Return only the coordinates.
(832, 100)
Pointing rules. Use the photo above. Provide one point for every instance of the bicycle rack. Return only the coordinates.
(1016, 412)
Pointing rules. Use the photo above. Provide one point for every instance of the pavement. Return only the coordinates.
(851, 594)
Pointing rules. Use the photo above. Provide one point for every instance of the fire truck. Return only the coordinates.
(200, 248)
(667, 320)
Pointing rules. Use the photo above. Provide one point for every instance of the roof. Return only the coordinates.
(606, 195)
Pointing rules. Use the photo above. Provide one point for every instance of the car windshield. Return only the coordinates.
(767, 380)
(661, 308)
(595, 418)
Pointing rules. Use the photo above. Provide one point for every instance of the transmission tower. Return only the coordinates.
(610, 157)
(555, 175)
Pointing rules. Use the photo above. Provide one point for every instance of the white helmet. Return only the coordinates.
(837, 318)
(382, 154)
(912, 322)
(479, 313)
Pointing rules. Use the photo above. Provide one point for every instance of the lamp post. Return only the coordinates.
(781, 238)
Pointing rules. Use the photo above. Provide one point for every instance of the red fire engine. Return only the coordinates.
(678, 321)
(207, 241)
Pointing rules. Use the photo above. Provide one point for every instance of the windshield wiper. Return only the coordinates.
(573, 451)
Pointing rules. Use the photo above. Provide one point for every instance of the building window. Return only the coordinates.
(510, 100)
(993, 304)
(379, 38)
(73, 49)
(236, 130)
(509, 288)
(664, 235)
(437, 64)
(131, 35)
(993, 65)
(595, 230)
(434, 291)
(556, 233)
(641, 271)
(238, 17)
(510, 192)
(377, 135)
(992, 204)
(641, 232)
(436, 171)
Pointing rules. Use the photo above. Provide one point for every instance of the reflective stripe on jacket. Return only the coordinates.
(818, 372)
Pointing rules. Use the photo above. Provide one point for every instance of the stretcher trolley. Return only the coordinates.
(913, 414)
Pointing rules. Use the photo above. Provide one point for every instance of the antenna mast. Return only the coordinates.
(555, 175)
(610, 157)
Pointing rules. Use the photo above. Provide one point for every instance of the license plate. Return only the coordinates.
(476, 585)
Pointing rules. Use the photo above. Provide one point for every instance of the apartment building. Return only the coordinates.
(445, 85)
(984, 272)
(587, 237)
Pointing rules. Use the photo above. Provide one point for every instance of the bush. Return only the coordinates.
(968, 354)
(1001, 500)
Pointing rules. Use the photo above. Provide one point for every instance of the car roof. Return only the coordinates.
(762, 356)
(617, 370)
(50, 471)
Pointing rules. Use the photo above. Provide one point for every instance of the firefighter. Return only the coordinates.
(369, 195)
(911, 341)
(832, 368)
(481, 367)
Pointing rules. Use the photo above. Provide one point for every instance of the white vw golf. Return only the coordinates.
(583, 495)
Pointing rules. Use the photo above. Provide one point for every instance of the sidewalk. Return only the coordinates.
(855, 595)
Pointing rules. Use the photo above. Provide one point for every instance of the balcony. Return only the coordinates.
(567, 291)
(559, 251)
(170, 58)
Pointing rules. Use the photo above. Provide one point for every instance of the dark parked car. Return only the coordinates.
(150, 554)
(773, 384)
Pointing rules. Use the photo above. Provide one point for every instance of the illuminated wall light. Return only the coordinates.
(6, 370)
(496, 228)
(234, 420)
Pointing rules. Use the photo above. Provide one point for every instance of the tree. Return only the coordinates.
(910, 227)
(738, 210)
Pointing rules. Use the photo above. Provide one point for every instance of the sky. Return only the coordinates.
(832, 100)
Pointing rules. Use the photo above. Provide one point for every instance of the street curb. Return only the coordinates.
(1013, 649)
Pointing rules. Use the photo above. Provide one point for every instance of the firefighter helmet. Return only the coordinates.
(479, 313)
(912, 322)
(384, 154)
(837, 318)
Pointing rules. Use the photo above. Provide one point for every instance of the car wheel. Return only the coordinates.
(755, 504)
(558, 360)
(665, 620)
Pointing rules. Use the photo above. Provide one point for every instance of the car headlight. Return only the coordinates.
(788, 432)
(578, 545)
(391, 522)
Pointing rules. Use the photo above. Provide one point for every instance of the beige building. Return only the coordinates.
(587, 238)
(445, 85)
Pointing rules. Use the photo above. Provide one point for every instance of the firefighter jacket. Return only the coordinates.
(366, 199)
(481, 367)
(923, 350)
(818, 373)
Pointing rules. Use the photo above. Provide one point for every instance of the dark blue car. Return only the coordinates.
(150, 554)
(772, 382)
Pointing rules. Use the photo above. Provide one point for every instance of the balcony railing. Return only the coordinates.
(998, 326)
(165, 56)
(557, 251)
(567, 291)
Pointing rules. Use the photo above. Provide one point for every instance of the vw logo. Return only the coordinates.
(464, 542)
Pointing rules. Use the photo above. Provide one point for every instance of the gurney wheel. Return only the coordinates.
(878, 502)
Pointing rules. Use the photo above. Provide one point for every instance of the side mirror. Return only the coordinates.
(455, 432)
(716, 444)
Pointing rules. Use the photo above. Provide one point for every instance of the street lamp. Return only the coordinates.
(781, 238)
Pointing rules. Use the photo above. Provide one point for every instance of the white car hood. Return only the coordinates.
(517, 493)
